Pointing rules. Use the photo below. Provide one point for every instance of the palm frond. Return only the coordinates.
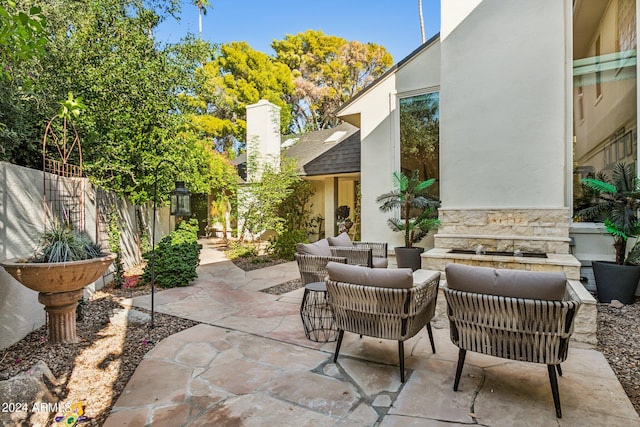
(400, 181)
(600, 186)
(618, 203)
(395, 224)
(624, 177)
(425, 184)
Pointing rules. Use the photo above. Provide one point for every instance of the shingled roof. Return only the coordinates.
(325, 152)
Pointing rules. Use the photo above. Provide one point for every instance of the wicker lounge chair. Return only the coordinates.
(512, 314)
(381, 303)
(369, 254)
(355, 254)
(313, 268)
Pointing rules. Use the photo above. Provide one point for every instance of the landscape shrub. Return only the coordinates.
(176, 257)
(283, 245)
(114, 233)
(241, 250)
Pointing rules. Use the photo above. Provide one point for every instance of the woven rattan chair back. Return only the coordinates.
(313, 268)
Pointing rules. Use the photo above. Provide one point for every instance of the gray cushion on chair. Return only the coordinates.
(549, 286)
(319, 248)
(341, 240)
(380, 262)
(399, 278)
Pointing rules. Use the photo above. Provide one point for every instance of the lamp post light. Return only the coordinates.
(179, 205)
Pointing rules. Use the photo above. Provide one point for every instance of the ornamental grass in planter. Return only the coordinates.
(65, 262)
(63, 244)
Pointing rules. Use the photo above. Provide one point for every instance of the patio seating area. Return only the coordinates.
(250, 363)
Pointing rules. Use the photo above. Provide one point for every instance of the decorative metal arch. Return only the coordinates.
(63, 186)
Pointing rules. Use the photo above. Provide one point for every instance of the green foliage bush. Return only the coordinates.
(241, 250)
(176, 257)
(284, 245)
(114, 247)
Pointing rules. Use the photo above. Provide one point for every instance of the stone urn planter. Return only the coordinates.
(60, 286)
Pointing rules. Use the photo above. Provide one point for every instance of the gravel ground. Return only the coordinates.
(283, 288)
(619, 341)
(96, 369)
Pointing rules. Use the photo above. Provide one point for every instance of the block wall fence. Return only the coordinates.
(22, 223)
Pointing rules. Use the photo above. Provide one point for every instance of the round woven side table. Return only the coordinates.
(317, 316)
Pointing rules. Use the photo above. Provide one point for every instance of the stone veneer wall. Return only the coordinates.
(504, 230)
(530, 230)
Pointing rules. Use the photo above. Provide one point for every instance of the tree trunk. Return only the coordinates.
(421, 21)
(620, 246)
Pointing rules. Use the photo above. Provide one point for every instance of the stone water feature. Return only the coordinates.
(523, 239)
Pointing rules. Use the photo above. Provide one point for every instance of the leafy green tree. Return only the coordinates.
(310, 76)
(102, 52)
(327, 71)
(23, 36)
(295, 209)
(238, 76)
(258, 201)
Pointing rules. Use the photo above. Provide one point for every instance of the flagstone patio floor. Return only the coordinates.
(250, 364)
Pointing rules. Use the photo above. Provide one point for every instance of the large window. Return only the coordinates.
(420, 136)
(605, 100)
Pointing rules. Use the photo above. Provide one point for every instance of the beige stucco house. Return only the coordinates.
(329, 159)
(521, 99)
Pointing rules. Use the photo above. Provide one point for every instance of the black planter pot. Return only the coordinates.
(614, 281)
(409, 257)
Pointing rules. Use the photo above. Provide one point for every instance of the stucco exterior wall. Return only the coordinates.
(380, 136)
(503, 105)
(21, 223)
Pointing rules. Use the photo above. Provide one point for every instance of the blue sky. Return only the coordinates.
(392, 24)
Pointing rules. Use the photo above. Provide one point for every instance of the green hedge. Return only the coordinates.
(283, 246)
(176, 257)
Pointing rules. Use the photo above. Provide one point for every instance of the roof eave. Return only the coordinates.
(355, 117)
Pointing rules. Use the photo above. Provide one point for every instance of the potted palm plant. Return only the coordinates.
(418, 214)
(616, 204)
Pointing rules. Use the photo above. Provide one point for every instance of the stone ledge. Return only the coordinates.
(502, 237)
(552, 259)
(586, 323)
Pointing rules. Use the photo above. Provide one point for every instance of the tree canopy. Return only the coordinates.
(327, 71)
(238, 76)
(103, 52)
(309, 77)
(146, 102)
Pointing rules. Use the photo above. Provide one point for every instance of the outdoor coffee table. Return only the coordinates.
(317, 316)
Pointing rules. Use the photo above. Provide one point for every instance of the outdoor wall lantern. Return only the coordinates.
(179, 205)
(180, 200)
